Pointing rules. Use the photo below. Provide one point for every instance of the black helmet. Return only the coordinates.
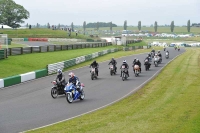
(94, 61)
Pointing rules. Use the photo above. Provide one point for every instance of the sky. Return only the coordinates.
(77, 11)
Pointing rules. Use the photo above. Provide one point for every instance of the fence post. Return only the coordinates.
(47, 48)
(54, 47)
(40, 49)
(31, 49)
(22, 50)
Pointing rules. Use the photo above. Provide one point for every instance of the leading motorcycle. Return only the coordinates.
(73, 94)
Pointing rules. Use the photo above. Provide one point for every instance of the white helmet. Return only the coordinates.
(124, 61)
(59, 71)
(71, 74)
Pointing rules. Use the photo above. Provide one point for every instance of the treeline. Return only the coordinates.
(100, 24)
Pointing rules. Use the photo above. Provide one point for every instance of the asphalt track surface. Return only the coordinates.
(29, 105)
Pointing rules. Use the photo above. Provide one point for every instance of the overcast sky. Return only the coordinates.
(117, 11)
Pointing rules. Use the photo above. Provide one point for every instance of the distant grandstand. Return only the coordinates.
(196, 25)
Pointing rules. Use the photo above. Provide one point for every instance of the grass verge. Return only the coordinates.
(14, 65)
(169, 103)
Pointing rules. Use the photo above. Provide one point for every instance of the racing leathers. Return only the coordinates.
(126, 66)
(114, 63)
(95, 65)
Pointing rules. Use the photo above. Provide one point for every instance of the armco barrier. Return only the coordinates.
(40, 73)
(12, 80)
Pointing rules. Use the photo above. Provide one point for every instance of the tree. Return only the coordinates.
(37, 25)
(72, 26)
(125, 25)
(172, 26)
(27, 25)
(110, 26)
(58, 26)
(84, 26)
(155, 26)
(139, 25)
(188, 26)
(48, 26)
(12, 14)
(97, 25)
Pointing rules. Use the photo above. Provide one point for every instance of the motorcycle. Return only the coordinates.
(156, 61)
(152, 54)
(137, 70)
(147, 65)
(178, 49)
(112, 70)
(167, 55)
(124, 73)
(57, 89)
(73, 94)
(93, 73)
(164, 49)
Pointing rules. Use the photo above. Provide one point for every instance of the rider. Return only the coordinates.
(95, 65)
(160, 55)
(114, 63)
(126, 66)
(153, 52)
(60, 78)
(146, 62)
(147, 58)
(74, 80)
(134, 60)
(137, 63)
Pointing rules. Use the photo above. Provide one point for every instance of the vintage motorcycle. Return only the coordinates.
(124, 72)
(93, 73)
(57, 89)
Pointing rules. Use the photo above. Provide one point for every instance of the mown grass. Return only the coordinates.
(178, 30)
(14, 45)
(40, 33)
(19, 64)
(167, 104)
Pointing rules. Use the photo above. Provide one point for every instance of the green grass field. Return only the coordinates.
(40, 33)
(178, 30)
(167, 104)
(48, 33)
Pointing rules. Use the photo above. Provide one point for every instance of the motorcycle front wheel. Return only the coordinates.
(123, 77)
(69, 98)
(54, 92)
(82, 95)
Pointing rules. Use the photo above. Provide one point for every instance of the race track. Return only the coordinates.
(29, 105)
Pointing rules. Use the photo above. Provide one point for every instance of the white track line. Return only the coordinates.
(131, 92)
